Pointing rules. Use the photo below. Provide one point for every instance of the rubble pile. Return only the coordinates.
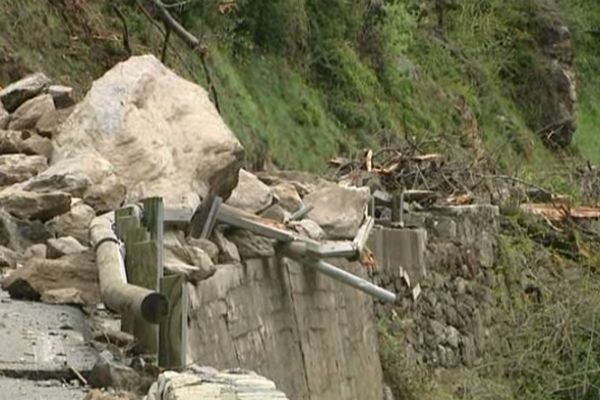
(140, 131)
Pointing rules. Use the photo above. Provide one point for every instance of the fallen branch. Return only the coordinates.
(121, 17)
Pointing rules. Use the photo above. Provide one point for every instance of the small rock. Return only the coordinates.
(34, 205)
(438, 330)
(4, 117)
(19, 234)
(64, 246)
(207, 246)
(18, 92)
(250, 245)
(12, 142)
(39, 275)
(250, 194)
(288, 196)
(36, 251)
(15, 168)
(49, 124)
(76, 222)
(340, 211)
(275, 213)
(8, 258)
(70, 296)
(61, 95)
(109, 373)
(308, 228)
(30, 112)
(228, 250)
(190, 261)
(452, 337)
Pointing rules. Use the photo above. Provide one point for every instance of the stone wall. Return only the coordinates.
(314, 337)
(451, 257)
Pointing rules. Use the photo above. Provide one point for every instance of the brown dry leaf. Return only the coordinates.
(227, 6)
(460, 199)
(367, 259)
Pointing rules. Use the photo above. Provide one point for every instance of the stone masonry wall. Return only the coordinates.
(314, 337)
(451, 258)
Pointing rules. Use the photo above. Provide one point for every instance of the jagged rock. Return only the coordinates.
(340, 211)
(15, 168)
(64, 246)
(250, 245)
(190, 261)
(250, 194)
(162, 134)
(25, 142)
(18, 92)
(63, 296)
(20, 234)
(304, 182)
(39, 275)
(34, 205)
(276, 213)
(75, 223)
(29, 113)
(35, 251)
(4, 117)
(228, 252)
(49, 124)
(87, 176)
(308, 228)
(109, 373)
(226, 385)
(61, 95)
(207, 246)
(288, 196)
(8, 258)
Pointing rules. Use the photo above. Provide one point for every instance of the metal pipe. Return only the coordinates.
(352, 280)
(115, 292)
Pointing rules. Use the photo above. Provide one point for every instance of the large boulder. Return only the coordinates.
(250, 193)
(88, 176)
(161, 133)
(30, 112)
(339, 210)
(40, 275)
(19, 92)
(15, 168)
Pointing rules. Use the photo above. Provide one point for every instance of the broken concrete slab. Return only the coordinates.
(64, 246)
(34, 205)
(15, 168)
(39, 275)
(22, 90)
(162, 134)
(42, 341)
(340, 211)
(250, 194)
(30, 112)
(226, 385)
(25, 389)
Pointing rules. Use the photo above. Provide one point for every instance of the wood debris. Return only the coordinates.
(559, 212)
